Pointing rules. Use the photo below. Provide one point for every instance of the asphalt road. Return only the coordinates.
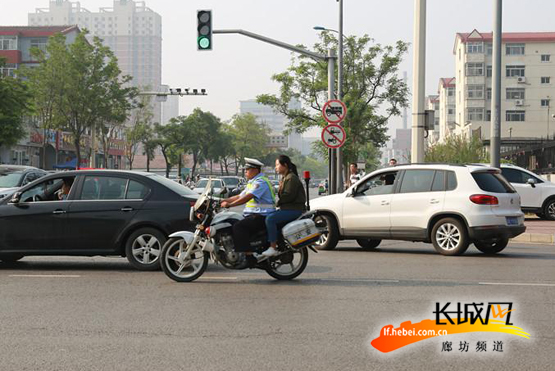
(100, 314)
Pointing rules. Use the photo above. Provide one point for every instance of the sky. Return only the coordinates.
(240, 68)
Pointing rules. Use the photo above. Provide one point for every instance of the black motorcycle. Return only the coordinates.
(185, 255)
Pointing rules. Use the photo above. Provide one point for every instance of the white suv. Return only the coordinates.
(450, 206)
(537, 195)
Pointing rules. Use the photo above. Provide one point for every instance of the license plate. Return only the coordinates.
(512, 220)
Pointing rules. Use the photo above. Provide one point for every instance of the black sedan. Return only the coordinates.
(95, 212)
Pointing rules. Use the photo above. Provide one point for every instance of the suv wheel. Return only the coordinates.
(492, 246)
(549, 210)
(330, 232)
(449, 237)
(368, 244)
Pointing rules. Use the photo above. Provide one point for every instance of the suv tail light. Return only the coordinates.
(484, 200)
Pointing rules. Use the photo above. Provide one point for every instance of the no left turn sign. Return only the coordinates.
(333, 136)
(334, 111)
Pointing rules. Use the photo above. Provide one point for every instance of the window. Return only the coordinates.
(39, 43)
(136, 190)
(450, 92)
(380, 184)
(474, 47)
(8, 43)
(491, 182)
(489, 71)
(515, 71)
(451, 181)
(488, 93)
(103, 188)
(488, 115)
(546, 58)
(515, 93)
(545, 102)
(439, 181)
(515, 116)
(475, 69)
(514, 49)
(8, 70)
(450, 111)
(489, 49)
(417, 181)
(546, 80)
(475, 92)
(517, 176)
(475, 114)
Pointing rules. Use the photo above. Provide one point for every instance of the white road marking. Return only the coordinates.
(356, 280)
(46, 275)
(517, 284)
(218, 278)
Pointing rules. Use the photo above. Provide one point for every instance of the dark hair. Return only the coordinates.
(286, 161)
(354, 164)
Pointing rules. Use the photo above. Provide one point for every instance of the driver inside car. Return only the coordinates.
(63, 193)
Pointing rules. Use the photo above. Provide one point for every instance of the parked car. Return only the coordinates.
(217, 184)
(537, 195)
(450, 206)
(14, 176)
(234, 184)
(107, 212)
(323, 188)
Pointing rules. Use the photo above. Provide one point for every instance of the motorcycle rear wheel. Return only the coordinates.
(296, 264)
(188, 270)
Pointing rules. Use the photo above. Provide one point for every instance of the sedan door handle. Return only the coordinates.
(126, 209)
(58, 212)
(434, 201)
(385, 203)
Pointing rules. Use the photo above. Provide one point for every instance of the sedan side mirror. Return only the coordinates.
(223, 192)
(15, 198)
(532, 182)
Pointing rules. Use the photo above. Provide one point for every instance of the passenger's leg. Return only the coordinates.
(243, 229)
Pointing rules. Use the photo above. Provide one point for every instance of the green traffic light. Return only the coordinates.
(204, 42)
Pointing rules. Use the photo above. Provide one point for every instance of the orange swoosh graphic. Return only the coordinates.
(386, 344)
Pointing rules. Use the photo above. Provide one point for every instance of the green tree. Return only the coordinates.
(168, 140)
(15, 103)
(458, 149)
(250, 138)
(140, 129)
(91, 91)
(372, 91)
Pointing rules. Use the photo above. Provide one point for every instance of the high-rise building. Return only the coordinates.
(447, 107)
(432, 104)
(275, 121)
(131, 30)
(527, 85)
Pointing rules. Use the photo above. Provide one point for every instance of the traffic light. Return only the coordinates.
(204, 39)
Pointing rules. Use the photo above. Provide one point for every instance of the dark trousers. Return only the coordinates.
(244, 229)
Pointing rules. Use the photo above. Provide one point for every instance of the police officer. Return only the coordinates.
(260, 201)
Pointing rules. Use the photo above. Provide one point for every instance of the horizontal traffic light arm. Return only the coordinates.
(265, 39)
(181, 94)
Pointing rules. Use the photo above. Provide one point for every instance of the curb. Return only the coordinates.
(542, 238)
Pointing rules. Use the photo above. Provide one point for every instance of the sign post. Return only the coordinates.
(333, 136)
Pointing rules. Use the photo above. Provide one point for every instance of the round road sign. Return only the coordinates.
(333, 136)
(334, 111)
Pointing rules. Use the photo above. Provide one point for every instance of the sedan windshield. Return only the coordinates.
(10, 179)
(231, 182)
(174, 186)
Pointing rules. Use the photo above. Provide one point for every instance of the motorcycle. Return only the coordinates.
(185, 255)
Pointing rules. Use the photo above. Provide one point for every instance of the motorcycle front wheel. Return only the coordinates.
(183, 271)
(288, 265)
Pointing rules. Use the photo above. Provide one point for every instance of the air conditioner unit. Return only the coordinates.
(519, 102)
(521, 79)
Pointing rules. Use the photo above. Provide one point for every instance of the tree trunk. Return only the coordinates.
(195, 159)
(236, 167)
(179, 167)
(211, 167)
(147, 161)
(78, 153)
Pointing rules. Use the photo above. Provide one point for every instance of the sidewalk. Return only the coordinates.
(537, 231)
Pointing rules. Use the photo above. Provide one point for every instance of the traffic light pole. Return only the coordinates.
(329, 59)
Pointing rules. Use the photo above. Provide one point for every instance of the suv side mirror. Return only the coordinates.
(532, 182)
(16, 197)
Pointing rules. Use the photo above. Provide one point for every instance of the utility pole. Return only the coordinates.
(419, 75)
(495, 132)
(333, 152)
(339, 163)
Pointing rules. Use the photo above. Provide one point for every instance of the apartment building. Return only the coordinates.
(129, 28)
(447, 107)
(433, 104)
(527, 86)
